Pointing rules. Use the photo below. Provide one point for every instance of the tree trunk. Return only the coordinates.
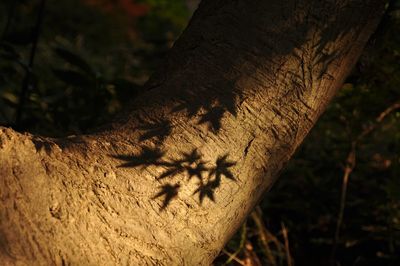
(172, 179)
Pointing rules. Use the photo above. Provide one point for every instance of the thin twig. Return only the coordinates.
(348, 169)
(266, 237)
(379, 120)
(233, 256)
(10, 17)
(243, 238)
(286, 239)
(250, 257)
(25, 84)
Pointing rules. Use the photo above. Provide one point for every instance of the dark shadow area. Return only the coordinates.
(61, 74)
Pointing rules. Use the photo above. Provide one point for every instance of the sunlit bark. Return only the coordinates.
(172, 179)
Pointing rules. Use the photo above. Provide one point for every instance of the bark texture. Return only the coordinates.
(171, 180)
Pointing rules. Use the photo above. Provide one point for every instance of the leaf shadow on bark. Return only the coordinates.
(184, 168)
(228, 44)
(211, 107)
(158, 129)
(293, 28)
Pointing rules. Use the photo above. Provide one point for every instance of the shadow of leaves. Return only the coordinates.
(155, 129)
(148, 156)
(210, 106)
(169, 192)
(188, 165)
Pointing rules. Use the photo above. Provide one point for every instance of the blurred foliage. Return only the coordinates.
(93, 55)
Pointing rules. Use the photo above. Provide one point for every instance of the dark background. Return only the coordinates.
(90, 56)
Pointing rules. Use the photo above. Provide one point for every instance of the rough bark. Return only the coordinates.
(172, 179)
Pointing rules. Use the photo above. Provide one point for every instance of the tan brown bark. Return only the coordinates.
(239, 91)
